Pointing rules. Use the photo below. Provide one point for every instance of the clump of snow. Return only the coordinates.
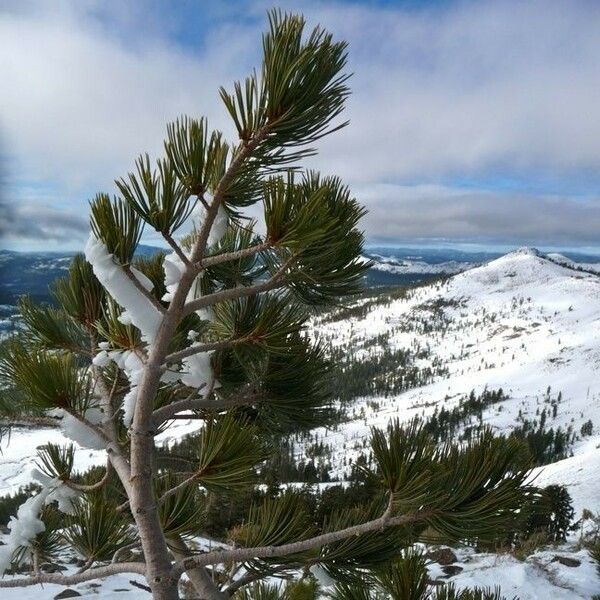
(197, 371)
(138, 310)
(132, 364)
(23, 528)
(27, 524)
(60, 493)
(219, 227)
(174, 268)
(79, 432)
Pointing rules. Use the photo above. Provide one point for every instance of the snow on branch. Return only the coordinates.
(27, 524)
(139, 310)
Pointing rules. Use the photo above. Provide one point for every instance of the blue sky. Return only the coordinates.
(470, 121)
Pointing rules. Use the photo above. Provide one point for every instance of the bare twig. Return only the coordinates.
(276, 281)
(177, 249)
(179, 486)
(244, 554)
(210, 261)
(120, 551)
(136, 282)
(78, 487)
(61, 579)
(170, 411)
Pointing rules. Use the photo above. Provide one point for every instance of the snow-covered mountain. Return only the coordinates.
(522, 323)
(404, 266)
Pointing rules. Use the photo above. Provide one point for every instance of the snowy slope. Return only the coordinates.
(521, 323)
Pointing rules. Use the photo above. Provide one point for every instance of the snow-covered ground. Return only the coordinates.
(524, 323)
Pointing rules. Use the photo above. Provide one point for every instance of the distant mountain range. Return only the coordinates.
(31, 273)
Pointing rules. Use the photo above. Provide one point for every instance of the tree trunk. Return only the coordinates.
(203, 584)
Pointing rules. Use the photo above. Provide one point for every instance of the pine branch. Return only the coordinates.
(117, 554)
(210, 261)
(179, 487)
(211, 214)
(276, 281)
(165, 413)
(209, 347)
(93, 486)
(244, 554)
(176, 248)
(136, 282)
(59, 579)
(201, 580)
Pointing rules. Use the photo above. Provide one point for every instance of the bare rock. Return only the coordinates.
(51, 568)
(68, 593)
(451, 570)
(442, 556)
(565, 560)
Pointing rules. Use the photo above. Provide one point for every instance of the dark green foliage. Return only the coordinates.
(80, 294)
(551, 512)
(273, 522)
(258, 591)
(443, 424)
(228, 453)
(56, 461)
(152, 268)
(120, 335)
(266, 321)
(545, 445)
(46, 379)
(183, 513)
(466, 491)
(117, 224)
(96, 529)
(299, 93)
(47, 544)
(587, 428)
(290, 385)
(405, 578)
(197, 159)
(303, 589)
(244, 270)
(49, 327)
(157, 197)
(351, 591)
(377, 374)
(314, 223)
(351, 559)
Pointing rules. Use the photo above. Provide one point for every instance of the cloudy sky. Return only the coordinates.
(470, 121)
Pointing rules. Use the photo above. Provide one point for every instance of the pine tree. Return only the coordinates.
(215, 329)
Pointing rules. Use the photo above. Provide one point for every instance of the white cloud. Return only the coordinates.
(468, 89)
(438, 212)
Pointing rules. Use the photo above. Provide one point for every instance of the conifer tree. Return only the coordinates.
(215, 329)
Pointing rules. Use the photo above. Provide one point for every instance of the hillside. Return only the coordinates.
(525, 324)
(521, 323)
